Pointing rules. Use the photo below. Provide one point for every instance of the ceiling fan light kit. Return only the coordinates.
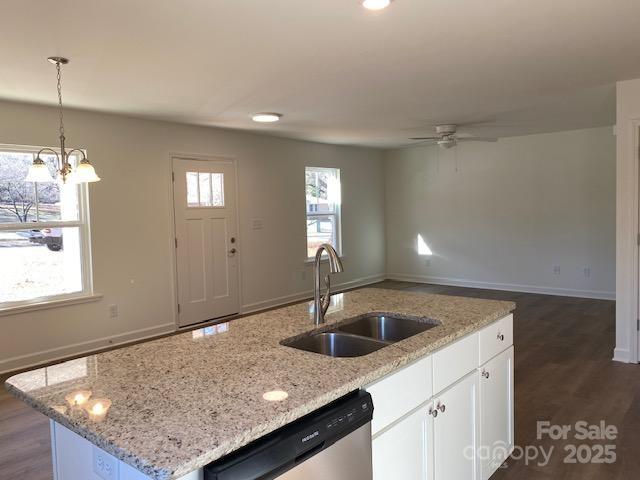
(446, 136)
(65, 173)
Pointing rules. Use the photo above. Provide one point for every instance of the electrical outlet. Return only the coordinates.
(113, 310)
(104, 465)
(587, 272)
(556, 269)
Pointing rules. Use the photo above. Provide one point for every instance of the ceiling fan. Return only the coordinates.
(446, 137)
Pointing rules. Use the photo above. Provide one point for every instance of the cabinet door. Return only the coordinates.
(455, 431)
(405, 450)
(496, 411)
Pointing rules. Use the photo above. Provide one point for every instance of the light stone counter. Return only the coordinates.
(183, 401)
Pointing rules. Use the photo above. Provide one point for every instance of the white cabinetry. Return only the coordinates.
(455, 431)
(405, 451)
(496, 416)
(432, 418)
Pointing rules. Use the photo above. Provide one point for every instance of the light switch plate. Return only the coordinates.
(256, 224)
(104, 465)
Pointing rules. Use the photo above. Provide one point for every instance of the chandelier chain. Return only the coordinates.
(59, 78)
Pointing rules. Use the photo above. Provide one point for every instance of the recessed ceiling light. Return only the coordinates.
(266, 117)
(375, 4)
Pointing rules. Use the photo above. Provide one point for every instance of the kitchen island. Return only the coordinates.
(169, 407)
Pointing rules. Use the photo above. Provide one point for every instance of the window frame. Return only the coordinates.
(83, 225)
(337, 213)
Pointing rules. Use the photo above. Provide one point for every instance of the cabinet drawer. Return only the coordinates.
(496, 338)
(454, 361)
(400, 392)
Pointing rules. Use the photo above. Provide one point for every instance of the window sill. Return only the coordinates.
(62, 302)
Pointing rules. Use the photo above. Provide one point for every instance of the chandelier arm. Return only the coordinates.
(47, 149)
(84, 157)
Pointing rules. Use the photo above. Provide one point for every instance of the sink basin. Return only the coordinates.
(337, 344)
(386, 328)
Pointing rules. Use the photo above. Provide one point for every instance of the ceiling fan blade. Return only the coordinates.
(425, 138)
(476, 139)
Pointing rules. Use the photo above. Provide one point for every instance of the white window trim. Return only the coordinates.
(337, 214)
(83, 224)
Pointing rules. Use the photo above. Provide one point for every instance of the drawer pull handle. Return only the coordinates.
(501, 337)
(485, 374)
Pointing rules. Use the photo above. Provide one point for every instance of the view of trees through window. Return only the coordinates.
(40, 232)
(22, 201)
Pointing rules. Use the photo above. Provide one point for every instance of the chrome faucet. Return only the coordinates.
(321, 302)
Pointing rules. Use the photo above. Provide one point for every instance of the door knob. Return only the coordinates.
(485, 374)
(501, 337)
(232, 251)
(441, 407)
(433, 412)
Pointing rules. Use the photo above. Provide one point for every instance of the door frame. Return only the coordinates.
(172, 226)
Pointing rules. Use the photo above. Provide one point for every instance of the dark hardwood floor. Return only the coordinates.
(563, 374)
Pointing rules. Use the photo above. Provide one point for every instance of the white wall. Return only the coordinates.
(131, 227)
(507, 214)
(627, 125)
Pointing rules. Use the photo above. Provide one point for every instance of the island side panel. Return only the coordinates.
(75, 457)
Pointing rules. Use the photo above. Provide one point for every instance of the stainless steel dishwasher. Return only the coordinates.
(332, 443)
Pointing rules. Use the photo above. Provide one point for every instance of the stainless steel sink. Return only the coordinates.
(337, 344)
(362, 335)
(387, 328)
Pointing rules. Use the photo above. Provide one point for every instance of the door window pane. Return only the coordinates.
(193, 189)
(39, 263)
(205, 189)
(217, 185)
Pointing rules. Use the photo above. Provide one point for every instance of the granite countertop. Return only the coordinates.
(183, 401)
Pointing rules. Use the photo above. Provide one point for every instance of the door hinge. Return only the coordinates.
(173, 176)
(638, 324)
(638, 239)
(176, 239)
(178, 308)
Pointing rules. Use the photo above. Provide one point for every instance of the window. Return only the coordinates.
(44, 234)
(323, 208)
(205, 189)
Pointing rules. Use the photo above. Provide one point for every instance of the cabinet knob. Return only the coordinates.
(433, 412)
(441, 407)
(501, 337)
(485, 374)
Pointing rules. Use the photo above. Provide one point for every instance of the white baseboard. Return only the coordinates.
(621, 355)
(459, 282)
(298, 297)
(81, 348)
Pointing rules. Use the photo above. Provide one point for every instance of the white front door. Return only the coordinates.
(204, 202)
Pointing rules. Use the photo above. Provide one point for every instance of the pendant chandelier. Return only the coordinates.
(66, 173)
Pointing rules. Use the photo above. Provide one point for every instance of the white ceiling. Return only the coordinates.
(337, 72)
